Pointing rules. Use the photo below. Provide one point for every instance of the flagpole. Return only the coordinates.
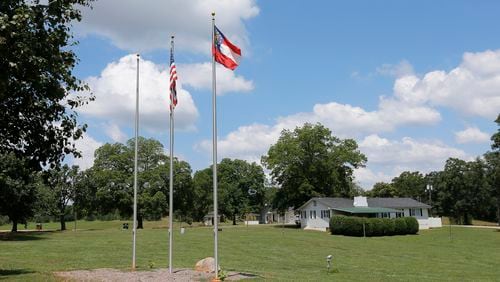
(134, 230)
(214, 156)
(171, 193)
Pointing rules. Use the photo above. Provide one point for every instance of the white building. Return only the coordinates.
(315, 214)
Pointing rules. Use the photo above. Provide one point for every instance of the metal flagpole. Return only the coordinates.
(214, 156)
(171, 196)
(134, 231)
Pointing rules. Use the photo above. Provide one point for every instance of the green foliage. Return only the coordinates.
(37, 114)
(353, 226)
(108, 186)
(240, 186)
(462, 190)
(18, 189)
(383, 190)
(400, 226)
(61, 183)
(411, 225)
(309, 161)
(410, 184)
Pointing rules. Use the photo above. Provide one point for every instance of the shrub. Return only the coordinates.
(400, 226)
(337, 224)
(389, 227)
(353, 226)
(411, 225)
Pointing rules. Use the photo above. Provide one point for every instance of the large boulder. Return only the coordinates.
(205, 265)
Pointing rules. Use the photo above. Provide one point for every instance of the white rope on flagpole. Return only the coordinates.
(134, 230)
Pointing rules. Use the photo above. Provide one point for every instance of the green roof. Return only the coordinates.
(365, 210)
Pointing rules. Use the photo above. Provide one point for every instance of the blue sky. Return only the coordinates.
(413, 82)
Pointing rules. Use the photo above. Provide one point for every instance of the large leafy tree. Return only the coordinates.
(241, 186)
(410, 184)
(309, 161)
(112, 178)
(37, 117)
(18, 189)
(61, 180)
(202, 194)
(462, 190)
(384, 190)
(492, 159)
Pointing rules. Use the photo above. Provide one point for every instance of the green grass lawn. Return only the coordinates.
(271, 252)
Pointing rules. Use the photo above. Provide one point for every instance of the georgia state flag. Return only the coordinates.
(225, 52)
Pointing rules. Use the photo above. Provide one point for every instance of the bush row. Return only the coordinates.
(353, 226)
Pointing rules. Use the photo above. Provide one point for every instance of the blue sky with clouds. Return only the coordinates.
(414, 83)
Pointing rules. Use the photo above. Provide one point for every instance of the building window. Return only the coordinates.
(325, 214)
(310, 214)
(314, 203)
(415, 212)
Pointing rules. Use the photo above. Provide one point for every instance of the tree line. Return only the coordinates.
(462, 190)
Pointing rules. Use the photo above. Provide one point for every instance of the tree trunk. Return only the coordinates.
(234, 219)
(14, 226)
(63, 222)
(139, 222)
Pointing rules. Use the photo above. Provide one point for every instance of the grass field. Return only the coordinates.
(271, 252)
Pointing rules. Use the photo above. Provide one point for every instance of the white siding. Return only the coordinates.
(314, 222)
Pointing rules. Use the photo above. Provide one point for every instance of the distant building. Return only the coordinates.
(316, 213)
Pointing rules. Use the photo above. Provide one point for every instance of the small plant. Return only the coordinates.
(151, 264)
(222, 275)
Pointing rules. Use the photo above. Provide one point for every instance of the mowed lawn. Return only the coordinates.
(271, 252)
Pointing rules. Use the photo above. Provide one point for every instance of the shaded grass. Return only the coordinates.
(270, 252)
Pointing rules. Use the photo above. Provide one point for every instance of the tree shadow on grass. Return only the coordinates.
(11, 272)
(23, 236)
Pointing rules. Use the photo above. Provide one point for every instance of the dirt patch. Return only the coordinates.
(112, 275)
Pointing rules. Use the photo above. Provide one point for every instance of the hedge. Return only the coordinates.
(353, 226)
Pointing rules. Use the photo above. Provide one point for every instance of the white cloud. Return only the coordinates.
(421, 155)
(388, 158)
(115, 92)
(199, 76)
(401, 69)
(471, 135)
(86, 145)
(365, 177)
(115, 133)
(472, 88)
(147, 25)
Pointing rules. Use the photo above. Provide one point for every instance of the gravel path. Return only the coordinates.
(112, 275)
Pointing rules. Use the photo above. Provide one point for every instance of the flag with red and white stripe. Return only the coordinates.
(173, 81)
(225, 52)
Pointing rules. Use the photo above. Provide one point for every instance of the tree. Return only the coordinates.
(462, 190)
(18, 189)
(241, 187)
(410, 184)
(309, 161)
(492, 160)
(203, 193)
(37, 113)
(112, 175)
(61, 180)
(384, 190)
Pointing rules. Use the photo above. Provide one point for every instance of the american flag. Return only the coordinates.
(173, 83)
